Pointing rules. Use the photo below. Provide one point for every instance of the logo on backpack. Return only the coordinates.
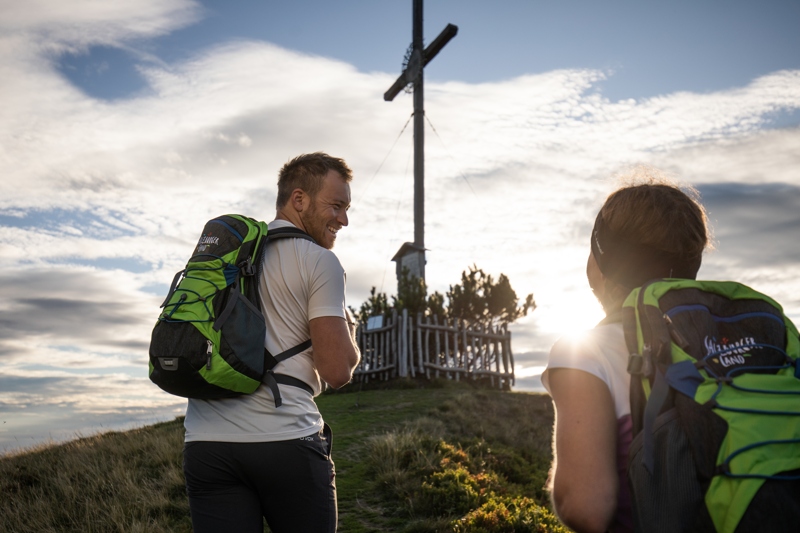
(730, 353)
(205, 241)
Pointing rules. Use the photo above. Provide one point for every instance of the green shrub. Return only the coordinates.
(453, 491)
(459, 484)
(509, 515)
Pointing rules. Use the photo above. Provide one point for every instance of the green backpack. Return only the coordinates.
(208, 342)
(715, 406)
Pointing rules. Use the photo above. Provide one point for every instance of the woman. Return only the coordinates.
(644, 231)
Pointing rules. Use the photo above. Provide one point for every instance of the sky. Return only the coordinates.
(126, 125)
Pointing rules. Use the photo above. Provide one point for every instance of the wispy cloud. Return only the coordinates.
(69, 307)
(95, 21)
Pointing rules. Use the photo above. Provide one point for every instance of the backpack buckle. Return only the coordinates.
(247, 268)
(635, 364)
(640, 364)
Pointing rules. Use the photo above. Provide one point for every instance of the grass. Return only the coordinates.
(129, 481)
(410, 460)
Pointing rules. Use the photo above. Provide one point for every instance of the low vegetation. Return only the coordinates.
(447, 459)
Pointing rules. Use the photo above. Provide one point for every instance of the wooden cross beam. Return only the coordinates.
(413, 74)
(413, 70)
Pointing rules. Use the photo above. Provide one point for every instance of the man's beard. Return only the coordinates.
(316, 226)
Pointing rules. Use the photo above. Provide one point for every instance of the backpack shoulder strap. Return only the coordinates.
(271, 361)
(280, 233)
(270, 378)
(289, 232)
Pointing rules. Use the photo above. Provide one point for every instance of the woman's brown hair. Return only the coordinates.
(650, 228)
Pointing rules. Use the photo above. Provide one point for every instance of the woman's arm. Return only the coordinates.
(584, 478)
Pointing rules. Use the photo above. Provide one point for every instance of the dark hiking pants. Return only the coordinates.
(233, 486)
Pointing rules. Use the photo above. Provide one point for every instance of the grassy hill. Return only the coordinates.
(410, 460)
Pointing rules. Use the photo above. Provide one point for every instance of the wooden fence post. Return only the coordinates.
(420, 353)
(406, 363)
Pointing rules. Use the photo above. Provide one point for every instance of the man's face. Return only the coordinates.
(327, 212)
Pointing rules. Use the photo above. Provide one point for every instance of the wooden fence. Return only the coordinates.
(398, 346)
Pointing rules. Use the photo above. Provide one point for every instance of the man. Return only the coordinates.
(245, 458)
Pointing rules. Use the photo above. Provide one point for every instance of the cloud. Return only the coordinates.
(65, 316)
(95, 21)
(742, 229)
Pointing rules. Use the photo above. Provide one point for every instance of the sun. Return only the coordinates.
(572, 314)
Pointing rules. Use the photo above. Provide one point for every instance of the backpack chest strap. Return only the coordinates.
(271, 379)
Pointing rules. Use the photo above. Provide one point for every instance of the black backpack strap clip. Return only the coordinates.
(641, 364)
(247, 268)
(635, 364)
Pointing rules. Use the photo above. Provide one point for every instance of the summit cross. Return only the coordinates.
(412, 255)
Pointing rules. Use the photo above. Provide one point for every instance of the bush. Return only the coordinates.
(455, 491)
(509, 515)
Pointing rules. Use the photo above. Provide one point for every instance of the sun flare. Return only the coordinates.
(573, 314)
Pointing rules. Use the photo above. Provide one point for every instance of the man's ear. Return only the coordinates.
(299, 200)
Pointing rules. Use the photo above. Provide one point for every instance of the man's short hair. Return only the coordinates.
(306, 172)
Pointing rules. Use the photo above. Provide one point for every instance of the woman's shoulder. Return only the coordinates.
(596, 341)
(599, 351)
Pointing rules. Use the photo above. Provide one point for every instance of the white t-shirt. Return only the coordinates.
(300, 281)
(601, 352)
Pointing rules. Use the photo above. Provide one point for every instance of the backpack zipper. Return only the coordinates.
(209, 352)
(675, 334)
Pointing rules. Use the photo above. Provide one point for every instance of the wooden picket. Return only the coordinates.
(404, 347)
